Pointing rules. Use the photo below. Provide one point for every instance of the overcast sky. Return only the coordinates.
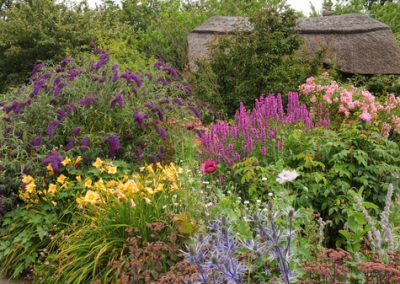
(300, 5)
(304, 5)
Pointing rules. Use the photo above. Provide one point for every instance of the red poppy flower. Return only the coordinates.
(209, 166)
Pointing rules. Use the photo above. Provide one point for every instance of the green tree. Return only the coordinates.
(38, 30)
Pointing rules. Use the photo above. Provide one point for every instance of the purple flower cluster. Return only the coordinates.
(115, 73)
(88, 100)
(57, 86)
(113, 144)
(117, 99)
(36, 142)
(257, 131)
(103, 59)
(54, 159)
(51, 126)
(128, 76)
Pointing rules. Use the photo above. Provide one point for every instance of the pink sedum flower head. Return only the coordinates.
(208, 166)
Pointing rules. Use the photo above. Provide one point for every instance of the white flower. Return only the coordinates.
(270, 194)
(246, 202)
(264, 179)
(287, 176)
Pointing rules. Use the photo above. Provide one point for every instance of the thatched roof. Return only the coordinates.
(354, 43)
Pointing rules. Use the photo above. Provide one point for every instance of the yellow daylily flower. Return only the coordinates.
(98, 163)
(66, 161)
(99, 184)
(111, 183)
(147, 200)
(174, 186)
(78, 178)
(52, 189)
(92, 197)
(150, 169)
(78, 160)
(131, 186)
(30, 187)
(27, 179)
(88, 182)
(112, 170)
(61, 179)
(50, 169)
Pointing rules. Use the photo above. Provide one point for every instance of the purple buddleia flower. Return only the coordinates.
(113, 144)
(72, 74)
(163, 81)
(71, 108)
(70, 144)
(85, 143)
(138, 154)
(7, 132)
(54, 159)
(150, 105)
(61, 114)
(179, 101)
(161, 153)
(159, 113)
(164, 101)
(103, 59)
(195, 111)
(129, 77)
(117, 99)
(44, 76)
(75, 131)
(36, 142)
(115, 72)
(139, 118)
(65, 61)
(36, 89)
(88, 100)
(159, 64)
(60, 69)
(36, 69)
(171, 71)
(161, 131)
(148, 75)
(51, 126)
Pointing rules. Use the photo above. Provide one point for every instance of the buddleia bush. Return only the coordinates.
(90, 110)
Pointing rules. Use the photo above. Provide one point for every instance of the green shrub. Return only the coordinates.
(261, 61)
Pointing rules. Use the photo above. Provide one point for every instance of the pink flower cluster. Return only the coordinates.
(353, 103)
(258, 132)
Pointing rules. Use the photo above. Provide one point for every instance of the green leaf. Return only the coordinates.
(370, 205)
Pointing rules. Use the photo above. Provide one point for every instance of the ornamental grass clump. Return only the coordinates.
(260, 132)
(90, 110)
